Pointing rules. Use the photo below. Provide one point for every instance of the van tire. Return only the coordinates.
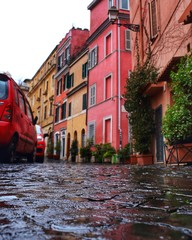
(31, 156)
(10, 152)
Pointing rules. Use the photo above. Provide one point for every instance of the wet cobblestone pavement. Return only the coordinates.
(90, 201)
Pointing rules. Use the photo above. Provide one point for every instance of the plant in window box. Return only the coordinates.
(138, 104)
(177, 122)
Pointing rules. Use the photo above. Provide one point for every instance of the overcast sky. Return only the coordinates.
(30, 30)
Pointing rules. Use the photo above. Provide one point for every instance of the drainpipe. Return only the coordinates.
(141, 32)
(119, 87)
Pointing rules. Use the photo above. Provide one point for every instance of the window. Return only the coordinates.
(83, 138)
(92, 95)
(16, 95)
(67, 55)
(21, 102)
(57, 114)
(107, 130)
(84, 101)
(124, 4)
(59, 87)
(108, 44)
(108, 87)
(63, 110)
(84, 70)
(3, 89)
(91, 132)
(51, 109)
(60, 62)
(68, 81)
(45, 112)
(92, 59)
(127, 39)
(29, 113)
(110, 3)
(153, 18)
(69, 109)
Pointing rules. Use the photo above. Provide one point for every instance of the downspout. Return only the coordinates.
(119, 87)
(141, 32)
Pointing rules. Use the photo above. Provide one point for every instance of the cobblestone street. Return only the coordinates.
(57, 200)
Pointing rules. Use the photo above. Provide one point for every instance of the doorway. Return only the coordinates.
(159, 135)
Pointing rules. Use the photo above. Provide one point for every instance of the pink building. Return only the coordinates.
(67, 49)
(170, 34)
(109, 65)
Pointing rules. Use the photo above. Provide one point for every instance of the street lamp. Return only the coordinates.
(113, 14)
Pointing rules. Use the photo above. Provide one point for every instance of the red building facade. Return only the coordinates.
(109, 64)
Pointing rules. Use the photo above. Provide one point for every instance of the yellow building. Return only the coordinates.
(41, 93)
(77, 101)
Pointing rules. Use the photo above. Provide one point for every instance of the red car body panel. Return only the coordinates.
(16, 117)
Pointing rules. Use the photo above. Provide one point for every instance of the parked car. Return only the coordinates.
(40, 149)
(17, 125)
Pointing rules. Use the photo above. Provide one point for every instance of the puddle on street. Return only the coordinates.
(92, 201)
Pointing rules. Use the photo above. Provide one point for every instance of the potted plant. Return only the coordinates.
(50, 148)
(139, 107)
(57, 150)
(74, 150)
(124, 154)
(107, 152)
(177, 122)
(85, 152)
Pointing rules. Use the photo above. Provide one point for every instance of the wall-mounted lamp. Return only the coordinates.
(113, 14)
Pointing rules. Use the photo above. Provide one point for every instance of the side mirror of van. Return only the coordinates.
(35, 120)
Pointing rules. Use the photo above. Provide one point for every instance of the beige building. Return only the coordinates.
(41, 93)
(77, 101)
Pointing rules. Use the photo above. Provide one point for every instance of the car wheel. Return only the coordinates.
(31, 156)
(10, 152)
(40, 159)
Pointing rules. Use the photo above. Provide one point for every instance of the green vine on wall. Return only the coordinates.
(177, 123)
(138, 104)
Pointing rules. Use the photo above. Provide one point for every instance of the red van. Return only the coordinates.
(17, 125)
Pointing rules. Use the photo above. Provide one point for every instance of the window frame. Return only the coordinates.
(93, 57)
(92, 138)
(105, 86)
(92, 98)
(64, 110)
(106, 53)
(84, 101)
(121, 5)
(127, 40)
(69, 109)
(153, 19)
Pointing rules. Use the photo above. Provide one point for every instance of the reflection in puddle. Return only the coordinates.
(74, 201)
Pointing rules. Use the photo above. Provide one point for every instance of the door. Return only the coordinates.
(158, 135)
(63, 139)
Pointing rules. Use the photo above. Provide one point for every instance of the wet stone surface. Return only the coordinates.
(90, 201)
